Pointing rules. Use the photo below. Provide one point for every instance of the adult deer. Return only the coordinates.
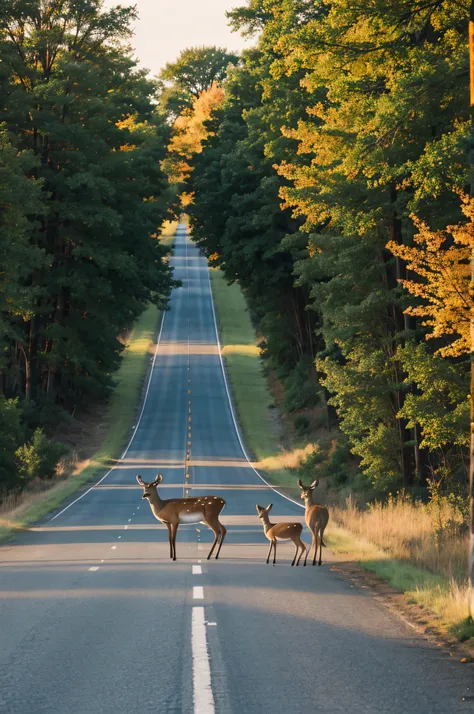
(174, 511)
(316, 518)
(281, 531)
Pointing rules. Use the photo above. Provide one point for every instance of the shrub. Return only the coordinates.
(301, 424)
(39, 458)
(11, 436)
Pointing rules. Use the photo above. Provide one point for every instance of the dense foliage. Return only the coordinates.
(346, 129)
(81, 199)
(193, 72)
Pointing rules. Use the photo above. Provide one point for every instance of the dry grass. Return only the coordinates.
(286, 459)
(411, 531)
(413, 546)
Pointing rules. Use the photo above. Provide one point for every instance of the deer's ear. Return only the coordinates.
(314, 484)
(158, 479)
(259, 508)
(269, 507)
(300, 483)
(140, 480)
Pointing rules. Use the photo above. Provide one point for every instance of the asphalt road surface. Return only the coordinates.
(94, 617)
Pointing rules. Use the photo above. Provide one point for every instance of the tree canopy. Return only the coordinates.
(82, 196)
(343, 134)
(196, 70)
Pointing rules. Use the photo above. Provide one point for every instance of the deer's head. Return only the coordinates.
(262, 512)
(307, 491)
(148, 486)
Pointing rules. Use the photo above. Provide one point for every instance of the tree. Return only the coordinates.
(343, 122)
(189, 133)
(196, 70)
(76, 103)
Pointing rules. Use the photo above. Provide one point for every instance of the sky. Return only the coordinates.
(165, 27)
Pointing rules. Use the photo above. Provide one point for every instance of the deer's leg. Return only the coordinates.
(170, 540)
(174, 530)
(320, 547)
(296, 551)
(223, 535)
(274, 551)
(308, 550)
(216, 532)
(270, 551)
(316, 543)
(303, 548)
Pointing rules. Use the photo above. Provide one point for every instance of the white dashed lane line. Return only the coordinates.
(94, 568)
(198, 592)
(113, 547)
(197, 570)
(202, 690)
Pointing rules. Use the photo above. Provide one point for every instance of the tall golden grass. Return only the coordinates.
(420, 548)
(429, 536)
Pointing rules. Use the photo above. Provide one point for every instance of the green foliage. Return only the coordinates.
(82, 195)
(440, 403)
(301, 424)
(39, 457)
(197, 68)
(339, 124)
(11, 436)
(301, 387)
(194, 71)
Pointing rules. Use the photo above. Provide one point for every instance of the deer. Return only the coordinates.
(174, 511)
(316, 518)
(281, 531)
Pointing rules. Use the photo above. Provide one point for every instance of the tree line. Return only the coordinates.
(342, 137)
(82, 196)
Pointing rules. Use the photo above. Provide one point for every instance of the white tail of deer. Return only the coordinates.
(316, 518)
(205, 509)
(281, 531)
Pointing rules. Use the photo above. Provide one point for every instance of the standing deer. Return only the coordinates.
(185, 510)
(281, 531)
(316, 518)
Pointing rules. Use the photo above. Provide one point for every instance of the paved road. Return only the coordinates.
(95, 618)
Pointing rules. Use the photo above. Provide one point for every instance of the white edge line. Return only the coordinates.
(202, 689)
(237, 431)
(135, 430)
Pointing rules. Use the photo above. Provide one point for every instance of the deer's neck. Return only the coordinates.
(308, 501)
(156, 504)
(266, 524)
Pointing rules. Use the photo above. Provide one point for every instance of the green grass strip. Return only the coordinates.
(434, 592)
(244, 367)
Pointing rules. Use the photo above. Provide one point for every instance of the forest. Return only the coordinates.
(82, 195)
(339, 151)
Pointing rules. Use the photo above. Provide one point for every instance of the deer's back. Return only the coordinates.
(317, 515)
(284, 531)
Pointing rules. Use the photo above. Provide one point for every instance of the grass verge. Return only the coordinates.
(252, 397)
(443, 600)
(412, 561)
(119, 417)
